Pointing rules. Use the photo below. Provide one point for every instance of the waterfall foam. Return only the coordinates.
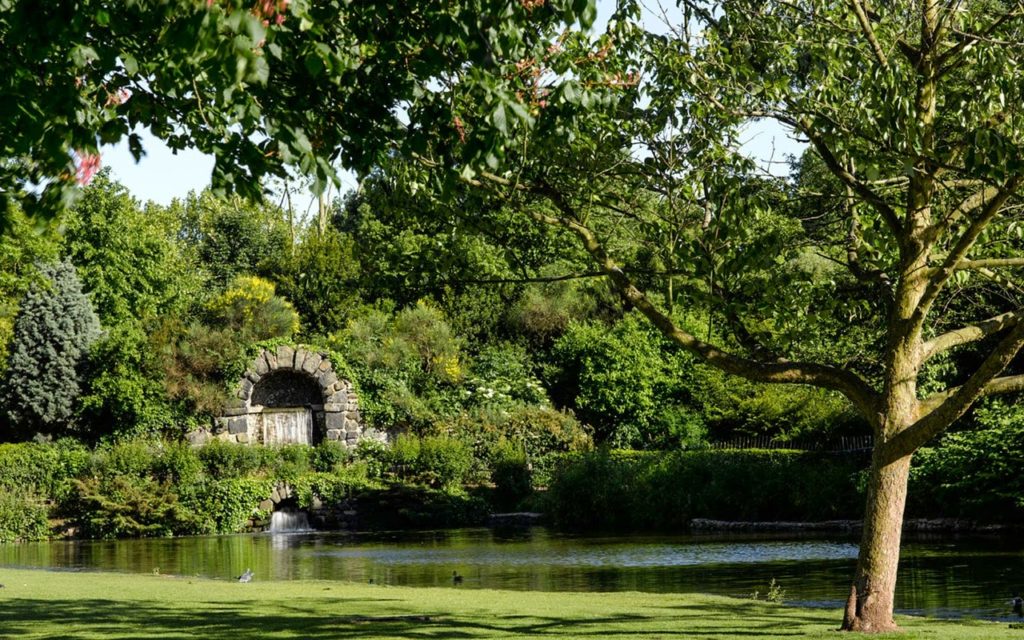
(289, 521)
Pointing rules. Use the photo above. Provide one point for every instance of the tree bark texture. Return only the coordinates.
(870, 605)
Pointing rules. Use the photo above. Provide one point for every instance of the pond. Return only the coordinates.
(938, 577)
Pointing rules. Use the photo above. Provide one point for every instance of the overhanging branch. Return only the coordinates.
(869, 32)
(990, 263)
(849, 179)
(818, 375)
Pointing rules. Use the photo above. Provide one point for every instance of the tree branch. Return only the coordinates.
(869, 32)
(970, 333)
(946, 62)
(989, 263)
(818, 375)
(968, 204)
(940, 410)
(939, 278)
(849, 179)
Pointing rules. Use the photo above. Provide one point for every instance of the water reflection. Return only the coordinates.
(937, 577)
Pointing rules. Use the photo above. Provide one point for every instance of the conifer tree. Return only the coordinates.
(54, 329)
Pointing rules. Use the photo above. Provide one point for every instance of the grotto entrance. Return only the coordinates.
(292, 405)
(290, 395)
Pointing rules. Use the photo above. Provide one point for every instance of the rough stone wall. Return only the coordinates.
(337, 418)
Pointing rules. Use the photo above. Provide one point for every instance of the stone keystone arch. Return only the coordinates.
(291, 395)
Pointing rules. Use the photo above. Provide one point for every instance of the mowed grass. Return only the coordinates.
(44, 604)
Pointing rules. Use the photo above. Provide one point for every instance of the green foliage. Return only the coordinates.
(227, 505)
(502, 376)
(24, 243)
(43, 469)
(130, 259)
(233, 237)
(406, 365)
(224, 460)
(331, 488)
(126, 394)
(23, 517)
(292, 461)
(444, 461)
(512, 477)
(775, 593)
(974, 473)
(329, 456)
(647, 490)
(138, 273)
(731, 405)
(321, 281)
(439, 461)
(251, 308)
(375, 455)
(405, 454)
(545, 312)
(125, 506)
(55, 328)
(627, 384)
(253, 62)
(543, 433)
(199, 360)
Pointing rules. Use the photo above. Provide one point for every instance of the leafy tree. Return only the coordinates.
(322, 280)
(913, 108)
(622, 383)
(412, 246)
(130, 259)
(407, 364)
(138, 273)
(54, 330)
(234, 237)
(974, 473)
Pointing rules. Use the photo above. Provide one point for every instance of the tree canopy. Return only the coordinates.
(226, 78)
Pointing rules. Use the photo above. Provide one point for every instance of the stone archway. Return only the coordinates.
(291, 395)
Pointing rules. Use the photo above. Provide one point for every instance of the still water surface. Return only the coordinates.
(938, 577)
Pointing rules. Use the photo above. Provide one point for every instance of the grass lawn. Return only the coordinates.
(43, 604)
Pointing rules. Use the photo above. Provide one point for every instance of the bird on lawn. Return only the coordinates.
(1018, 605)
(247, 576)
(456, 578)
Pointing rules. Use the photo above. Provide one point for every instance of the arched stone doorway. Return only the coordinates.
(291, 395)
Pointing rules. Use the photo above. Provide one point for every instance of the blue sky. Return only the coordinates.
(162, 175)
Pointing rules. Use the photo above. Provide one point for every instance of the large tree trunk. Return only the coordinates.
(870, 605)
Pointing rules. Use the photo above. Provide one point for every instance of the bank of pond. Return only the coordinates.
(944, 577)
(155, 488)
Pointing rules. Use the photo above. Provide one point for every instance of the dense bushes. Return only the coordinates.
(147, 488)
(23, 516)
(153, 488)
(649, 490)
(976, 473)
(33, 477)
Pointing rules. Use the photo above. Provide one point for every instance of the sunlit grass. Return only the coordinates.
(44, 604)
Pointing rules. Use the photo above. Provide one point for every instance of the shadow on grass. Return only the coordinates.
(96, 618)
